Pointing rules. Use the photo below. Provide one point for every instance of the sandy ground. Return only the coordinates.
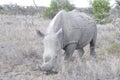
(21, 53)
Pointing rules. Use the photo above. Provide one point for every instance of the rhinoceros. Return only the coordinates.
(68, 31)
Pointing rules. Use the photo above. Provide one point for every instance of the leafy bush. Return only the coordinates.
(66, 6)
(52, 10)
(101, 9)
(56, 6)
(114, 47)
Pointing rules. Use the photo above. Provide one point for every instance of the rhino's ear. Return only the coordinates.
(59, 32)
(41, 34)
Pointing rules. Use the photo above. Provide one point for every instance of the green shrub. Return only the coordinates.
(66, 6)
(56, 6)
(114, 47)
(101, 9)
(52, 10)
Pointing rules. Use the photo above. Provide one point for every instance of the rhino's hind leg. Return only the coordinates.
(69, 49)
(81, 52)
(92, 48)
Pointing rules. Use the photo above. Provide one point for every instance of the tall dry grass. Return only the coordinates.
(21, 53)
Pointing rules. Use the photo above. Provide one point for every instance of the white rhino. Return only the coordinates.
(68, 31)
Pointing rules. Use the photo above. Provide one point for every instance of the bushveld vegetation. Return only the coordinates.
(21, 49)
(21, 52)
(101, 9)
(55, 6)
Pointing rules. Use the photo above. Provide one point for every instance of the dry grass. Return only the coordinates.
(21, 52)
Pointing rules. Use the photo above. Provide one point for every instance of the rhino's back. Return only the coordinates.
(78, 28)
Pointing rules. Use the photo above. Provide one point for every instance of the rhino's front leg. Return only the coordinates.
(69, 49)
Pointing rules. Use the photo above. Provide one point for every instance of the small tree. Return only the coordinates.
(52, 10)
(55, 6)
(101, 9)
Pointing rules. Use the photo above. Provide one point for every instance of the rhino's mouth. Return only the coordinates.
(48, 68)
(50, 72)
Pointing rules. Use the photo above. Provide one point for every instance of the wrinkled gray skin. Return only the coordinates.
(68, 31)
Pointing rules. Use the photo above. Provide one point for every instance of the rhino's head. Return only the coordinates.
(52, 50)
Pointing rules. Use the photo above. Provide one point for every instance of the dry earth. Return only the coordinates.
(21, 53)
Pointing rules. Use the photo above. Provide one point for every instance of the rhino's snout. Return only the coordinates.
(48, 69)
(45, 67)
